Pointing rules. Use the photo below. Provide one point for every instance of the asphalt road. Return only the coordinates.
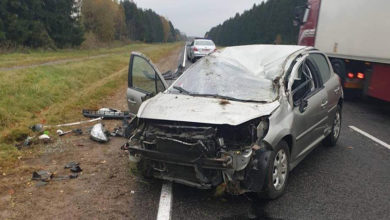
(348, 181)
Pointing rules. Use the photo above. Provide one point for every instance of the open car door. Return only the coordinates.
(144, 81)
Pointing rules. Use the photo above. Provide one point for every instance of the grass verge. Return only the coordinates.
(57, 93)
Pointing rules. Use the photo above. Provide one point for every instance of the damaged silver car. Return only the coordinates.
(243, 117)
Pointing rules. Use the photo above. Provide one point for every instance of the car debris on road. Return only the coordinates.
(98, 133)
(43, 176)
(106, 113)
(40, 127)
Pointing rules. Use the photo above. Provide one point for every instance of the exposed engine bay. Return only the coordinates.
(203, 155)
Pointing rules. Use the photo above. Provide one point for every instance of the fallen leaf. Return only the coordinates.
(350, 147)
(11, 191)
(103, 161)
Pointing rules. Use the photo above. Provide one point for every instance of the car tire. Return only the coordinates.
(278, 168)
(332, 138)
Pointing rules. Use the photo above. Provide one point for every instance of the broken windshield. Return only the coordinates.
(227, 78)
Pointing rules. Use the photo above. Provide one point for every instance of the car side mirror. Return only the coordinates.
(303, 105)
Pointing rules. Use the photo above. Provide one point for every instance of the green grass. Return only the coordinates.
(42, 56)
(57, 93)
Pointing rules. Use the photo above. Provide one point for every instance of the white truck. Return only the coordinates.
(355, 34)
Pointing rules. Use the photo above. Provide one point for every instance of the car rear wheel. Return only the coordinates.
(332, 138)
(277, 173)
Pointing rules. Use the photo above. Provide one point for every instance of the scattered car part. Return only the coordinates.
(40, 127)
(106, 113)
(71, 164)
(75, 131)
(44, 137)
(42, 175)
(62, 133)
(98, 133)
(37, 127)
(73, 175)
(76, 169)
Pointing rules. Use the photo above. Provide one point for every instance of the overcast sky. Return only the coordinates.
(196, 17)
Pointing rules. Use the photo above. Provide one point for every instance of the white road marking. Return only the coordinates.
(185, 56)
(386, 145)
(164, 207)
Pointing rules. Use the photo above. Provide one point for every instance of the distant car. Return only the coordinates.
(199, 48)
(242, 117)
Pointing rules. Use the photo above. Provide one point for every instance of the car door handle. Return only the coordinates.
(132, 101)
(324, 103)
(337, 90)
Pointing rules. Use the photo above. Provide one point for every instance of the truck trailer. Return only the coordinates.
(355, 34)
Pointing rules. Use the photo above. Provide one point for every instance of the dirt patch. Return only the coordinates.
(107, 188)
(224, 102)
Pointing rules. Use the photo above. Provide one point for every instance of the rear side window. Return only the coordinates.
(204, 43)
(323, 66)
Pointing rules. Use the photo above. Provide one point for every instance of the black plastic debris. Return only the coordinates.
(106, 113)
(117, 132)
(37, 127)
(74, 167)
(70, 165)
(77, 131)
(73, 175)
(27, 142)
(42, 175)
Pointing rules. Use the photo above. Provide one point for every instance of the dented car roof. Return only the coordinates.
(230, 86)
(246, 73)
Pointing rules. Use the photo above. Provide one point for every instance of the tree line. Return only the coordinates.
(67, 23)
(270, 22)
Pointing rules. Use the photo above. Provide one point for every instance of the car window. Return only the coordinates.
(322, 64)
(160, 86)
(304, 85)
(204, 42)
(143, 75)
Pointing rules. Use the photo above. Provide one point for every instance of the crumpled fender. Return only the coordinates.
(257, 170)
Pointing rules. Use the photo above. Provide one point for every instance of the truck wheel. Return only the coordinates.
(278, 170)
(332, 138)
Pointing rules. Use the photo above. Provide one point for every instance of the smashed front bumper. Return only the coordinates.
(198, 157)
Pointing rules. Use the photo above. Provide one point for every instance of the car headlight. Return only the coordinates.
(98, 134)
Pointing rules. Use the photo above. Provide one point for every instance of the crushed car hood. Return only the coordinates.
(175, 107)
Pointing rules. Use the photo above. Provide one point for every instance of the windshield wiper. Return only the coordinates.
(182, 90)
(227, 98)
(215, 96)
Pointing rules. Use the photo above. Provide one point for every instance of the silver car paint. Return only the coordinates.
(177, 107)
(135, 97)
(197, 54)
(285, 121)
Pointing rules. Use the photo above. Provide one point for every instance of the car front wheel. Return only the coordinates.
(277, 174)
